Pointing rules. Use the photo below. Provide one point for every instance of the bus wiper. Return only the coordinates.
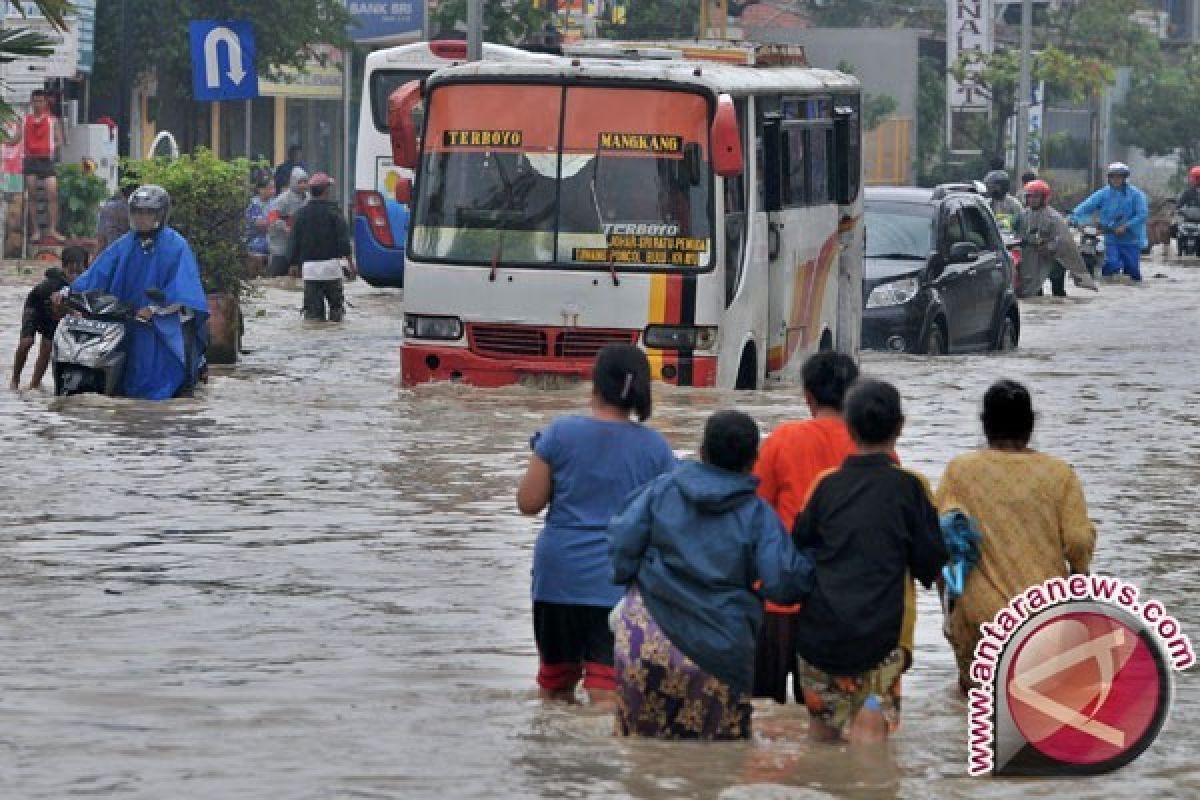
(497, 252)
(897, 256)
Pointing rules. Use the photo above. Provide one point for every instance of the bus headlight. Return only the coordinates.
(421, 327)
(680, 337)
(893, 293)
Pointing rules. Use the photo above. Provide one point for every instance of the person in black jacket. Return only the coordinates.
(320, 248)
(870, 527)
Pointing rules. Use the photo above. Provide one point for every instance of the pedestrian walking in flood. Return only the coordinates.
(281, 214)
(257, 223)
(1030, 510)
(871, 527)
(690, 549)
(583, 469)
(39, 317)
(792, 458)
(319, 248)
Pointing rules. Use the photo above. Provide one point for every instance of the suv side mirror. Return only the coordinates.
(963, 253)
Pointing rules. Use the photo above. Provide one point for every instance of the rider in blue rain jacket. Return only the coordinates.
(166, 355)
(1123, 212)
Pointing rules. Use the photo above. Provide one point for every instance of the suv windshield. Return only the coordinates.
(898, 230)
(623, 180)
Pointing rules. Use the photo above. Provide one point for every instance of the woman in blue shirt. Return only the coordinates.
(583, 468)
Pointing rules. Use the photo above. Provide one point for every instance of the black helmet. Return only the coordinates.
(150, 198)
(997, 181)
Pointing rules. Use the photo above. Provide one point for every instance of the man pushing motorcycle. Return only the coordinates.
(1123, 213)
(152, 268)
(1047, 248)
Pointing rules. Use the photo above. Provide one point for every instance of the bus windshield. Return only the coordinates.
(565, 175)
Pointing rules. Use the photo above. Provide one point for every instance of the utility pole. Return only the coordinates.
(1026, 90)
(474, 30)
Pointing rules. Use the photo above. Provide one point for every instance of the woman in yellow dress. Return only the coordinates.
(1031, 511)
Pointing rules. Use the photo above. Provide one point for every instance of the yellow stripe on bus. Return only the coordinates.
(656, 314)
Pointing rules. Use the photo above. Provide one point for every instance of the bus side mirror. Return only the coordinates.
(404, 191)
(726, 140)
(401, 126)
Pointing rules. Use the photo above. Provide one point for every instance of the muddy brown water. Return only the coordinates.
(309, 582)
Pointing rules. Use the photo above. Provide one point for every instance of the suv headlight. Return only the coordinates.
(893, 293)
(680, 337)
(421, 327)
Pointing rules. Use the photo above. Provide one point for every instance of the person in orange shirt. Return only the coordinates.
(789, 463)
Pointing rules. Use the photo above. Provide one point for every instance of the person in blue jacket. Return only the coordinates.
(166, 354)
(1123, 213)
(691, 548)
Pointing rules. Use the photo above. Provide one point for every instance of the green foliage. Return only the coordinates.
(285, 33)
(931, 112)
(503, 22)
(656, 19)
(208, 203)
(1158, 114)
(1063, 151)
(18, 42)
(79, 197)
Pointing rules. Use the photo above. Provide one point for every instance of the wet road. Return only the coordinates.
(310, 583)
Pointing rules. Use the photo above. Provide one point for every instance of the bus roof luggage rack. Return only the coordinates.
(743, 53)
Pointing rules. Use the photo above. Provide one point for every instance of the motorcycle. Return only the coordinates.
(90, 347)
(1091, 246)
(1187, 232)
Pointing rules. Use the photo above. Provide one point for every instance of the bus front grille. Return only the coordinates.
(504, 341)
(587, 342)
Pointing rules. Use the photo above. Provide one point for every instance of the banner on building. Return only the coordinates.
(387, 22)
(968, 31)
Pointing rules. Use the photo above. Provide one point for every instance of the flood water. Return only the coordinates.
(309, 582)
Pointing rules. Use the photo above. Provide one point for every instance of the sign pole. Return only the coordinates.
(1022, 160)
(249, 123)
(474, 30)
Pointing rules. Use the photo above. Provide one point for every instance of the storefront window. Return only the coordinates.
(315, 125)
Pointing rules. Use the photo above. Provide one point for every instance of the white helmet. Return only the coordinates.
(1118, 168)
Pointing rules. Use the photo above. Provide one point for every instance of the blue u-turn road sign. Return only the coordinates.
(223, 61)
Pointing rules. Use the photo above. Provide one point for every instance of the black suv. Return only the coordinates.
(937, 278)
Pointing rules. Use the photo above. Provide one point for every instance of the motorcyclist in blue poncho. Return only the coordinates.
(166, 355)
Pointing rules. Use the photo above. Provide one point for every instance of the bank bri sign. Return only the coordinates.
(380, 21)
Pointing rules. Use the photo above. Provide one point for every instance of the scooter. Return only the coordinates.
(1187, 232)
(90, 347)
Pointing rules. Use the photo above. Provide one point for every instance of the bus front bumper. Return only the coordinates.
(425, 363)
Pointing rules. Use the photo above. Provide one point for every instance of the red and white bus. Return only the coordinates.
(707, 212)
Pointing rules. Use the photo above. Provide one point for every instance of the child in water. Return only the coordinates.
(583, 468)
(867, 525)
(40, 318)
(691, 547)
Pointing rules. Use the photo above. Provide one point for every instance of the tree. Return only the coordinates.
(875, 107)
(1158, 114)
(152, 40)
(657, 19)
(504, 21)
(23, 43)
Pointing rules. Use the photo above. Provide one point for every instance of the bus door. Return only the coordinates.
(802, 244)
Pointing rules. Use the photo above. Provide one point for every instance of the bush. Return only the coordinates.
(208, 204)
(79, 197)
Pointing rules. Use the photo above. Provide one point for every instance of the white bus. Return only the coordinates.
(708, 212)
(380, 223)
